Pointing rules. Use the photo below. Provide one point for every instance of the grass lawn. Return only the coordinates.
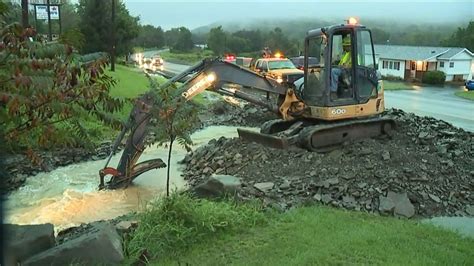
(183, 231)
(397, 85)
(130, 82)
(466, 95)
(320, 235)
(186, 58)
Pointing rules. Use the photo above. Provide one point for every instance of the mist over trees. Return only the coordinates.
(463, 37)
(383, 32)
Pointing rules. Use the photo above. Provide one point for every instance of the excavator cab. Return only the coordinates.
(346, 74)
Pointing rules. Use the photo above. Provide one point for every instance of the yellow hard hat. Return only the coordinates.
(346, 41)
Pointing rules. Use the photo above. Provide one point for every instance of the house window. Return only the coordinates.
(385, 64)
(396, 65)
(391, 65)
(451, 64)
(441, 64)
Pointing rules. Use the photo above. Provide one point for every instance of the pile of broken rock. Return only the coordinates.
(424, 169)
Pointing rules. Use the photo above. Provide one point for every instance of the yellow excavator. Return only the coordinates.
(331, 104)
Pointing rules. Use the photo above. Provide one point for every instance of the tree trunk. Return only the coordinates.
(24, 13)
(169, 168)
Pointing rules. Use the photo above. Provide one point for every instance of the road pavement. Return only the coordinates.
(437, 102)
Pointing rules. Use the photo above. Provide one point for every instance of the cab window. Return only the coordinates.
(365, 70)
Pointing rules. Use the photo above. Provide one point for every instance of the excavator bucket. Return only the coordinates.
(264, 139)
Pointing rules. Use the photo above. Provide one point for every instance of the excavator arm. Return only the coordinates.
(211, 74)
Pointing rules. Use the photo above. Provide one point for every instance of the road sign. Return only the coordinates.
(42, 11)
(54, 11)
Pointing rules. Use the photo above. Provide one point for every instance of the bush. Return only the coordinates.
(174, 223)
(434, 77)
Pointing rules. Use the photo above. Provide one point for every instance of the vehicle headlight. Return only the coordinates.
(279, 79)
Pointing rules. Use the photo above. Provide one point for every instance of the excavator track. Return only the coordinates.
(321, 137)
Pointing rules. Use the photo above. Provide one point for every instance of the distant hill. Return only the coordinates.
(395, 32)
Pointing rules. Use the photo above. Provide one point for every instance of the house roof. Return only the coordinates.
(419, 53)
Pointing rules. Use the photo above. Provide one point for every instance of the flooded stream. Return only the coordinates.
(68, 196)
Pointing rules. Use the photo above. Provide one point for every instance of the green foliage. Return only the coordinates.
(149, 36)
(469, 95)
(74, 38)
(175, 223)
(47, 87)
(179, 39)
(434, 77)
(192, 57)
(245, 41)
(327, 236)
(380, 36)
(463, 37)
(217, 40)
(96, 26)
(173, 118)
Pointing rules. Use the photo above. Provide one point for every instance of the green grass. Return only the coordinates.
(183, 231)
(131, 82)
(186, 58)
(174, 224)
(397, 85)
(466, 95)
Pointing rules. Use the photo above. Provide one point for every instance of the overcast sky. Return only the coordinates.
(194, 13)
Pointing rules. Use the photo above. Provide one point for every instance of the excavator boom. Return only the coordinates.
(210, 74)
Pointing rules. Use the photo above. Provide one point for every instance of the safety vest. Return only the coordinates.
(346, 59)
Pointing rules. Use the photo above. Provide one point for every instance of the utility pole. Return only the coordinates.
(24, 13)
(112, 52)
(50, 35)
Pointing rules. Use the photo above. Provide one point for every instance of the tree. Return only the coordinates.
(95, 25)
(463, 37)
(149, 36)
(254, 37)
(179, 39)
(174, 118)
(380, 36)
(217, 40)
(48, 87)
(277, 41)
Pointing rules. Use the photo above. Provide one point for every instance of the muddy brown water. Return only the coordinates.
(68, 196)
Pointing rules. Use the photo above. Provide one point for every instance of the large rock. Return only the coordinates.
(264, 187)
(403, 206)
(101, 245)
(24, 241)
(217, 186)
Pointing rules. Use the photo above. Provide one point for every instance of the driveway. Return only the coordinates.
(437, 102)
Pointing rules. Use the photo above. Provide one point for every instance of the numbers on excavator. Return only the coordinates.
(338, 111)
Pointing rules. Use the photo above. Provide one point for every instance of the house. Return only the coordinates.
(411, 62)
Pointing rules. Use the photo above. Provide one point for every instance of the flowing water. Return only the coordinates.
(68, 196)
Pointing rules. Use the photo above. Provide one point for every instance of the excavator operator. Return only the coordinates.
(344, 63)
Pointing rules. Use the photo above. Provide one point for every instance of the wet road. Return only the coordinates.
(440, 103)
(170, 67)
(437, 102)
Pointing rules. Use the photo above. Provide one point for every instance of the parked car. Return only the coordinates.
(299, 61)
(470, 85)
(281, 69)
